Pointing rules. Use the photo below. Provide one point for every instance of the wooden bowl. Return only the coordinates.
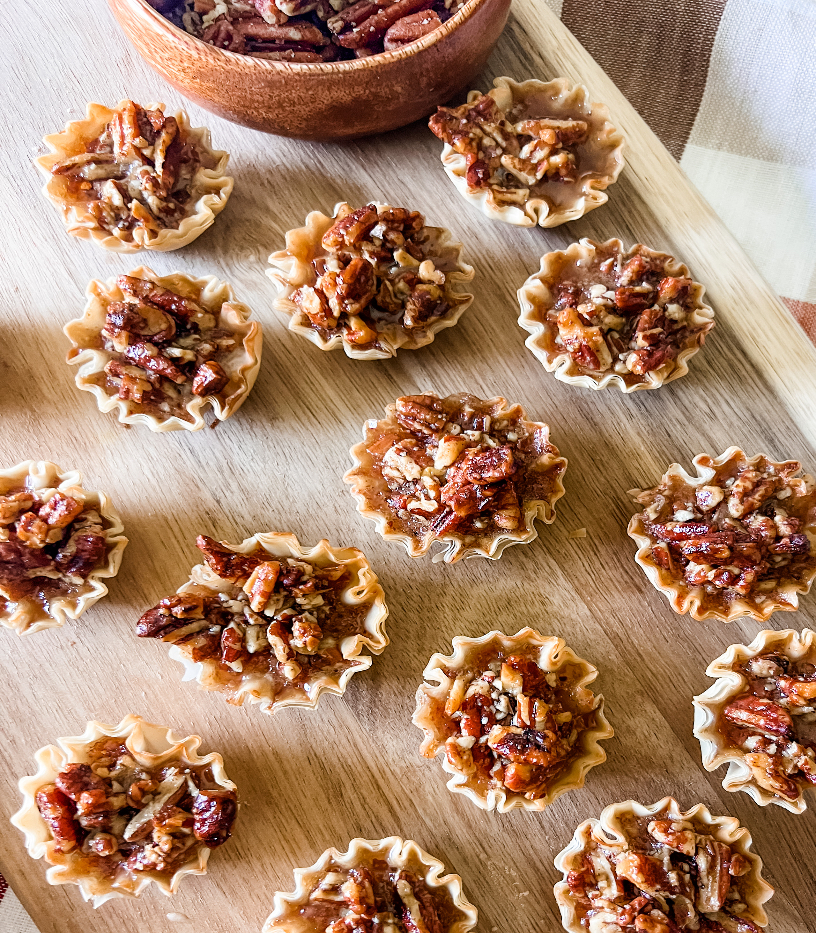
(332, 100)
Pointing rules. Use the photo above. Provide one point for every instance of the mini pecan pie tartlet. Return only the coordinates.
(598, 315)
(133, 178)
(371, 280)
(58, 542)
(160, 349)
(656, 869)
(513, 717)
(735, 540)
(531, 153)
(470, 473)
(120, 806)
(759, 718)
(386, 884)
(271, 622)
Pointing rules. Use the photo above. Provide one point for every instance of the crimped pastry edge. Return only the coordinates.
(725, 829)
(46, 475)
(150, 744)
(289, 272)
(708, 707)
(535, 293)
(214, 185)
(536, 211)
(399, 853)
(364, 584)
(215, 294)
(454, 548)
(553, 653)
(681, 598)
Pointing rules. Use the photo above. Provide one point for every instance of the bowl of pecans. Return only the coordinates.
(316, 69)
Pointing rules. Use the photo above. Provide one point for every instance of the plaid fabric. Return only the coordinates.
(729, 86)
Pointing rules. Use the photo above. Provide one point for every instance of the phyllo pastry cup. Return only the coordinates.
(759, 718)
(58, 542)
(132, 178)
(371, 280)
(467, 472)
(734, 540)
(392, 880)
(513, 719)
(271, 622)
(660, 869)
(120, 807)
(162, 349)
(599, 315)
(532, 152)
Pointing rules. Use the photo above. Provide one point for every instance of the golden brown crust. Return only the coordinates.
(761, 599)
(708, 710)
(44, 478)
(210, 187)
(151, 745)
(215, 297)
(370, 489)
(398, 854)
(292, 269)
(537, 297)
(553, 656)
(611, 831)
(555, 99)
(363, 589)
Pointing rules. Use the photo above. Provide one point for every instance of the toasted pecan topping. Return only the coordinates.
(49, 545)
(137, 173)
(770, 721)
(165, 348)
(459, 466)
(666, 875)
(111, 816)
(740, 537)
(378, 270)
(277, 618)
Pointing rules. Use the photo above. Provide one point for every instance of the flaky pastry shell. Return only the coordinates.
(255, 688)
(214, 296)
(553, 655)
(536, 298)
(398, 853)
(43, 477)
(292, 269)
(681, 597)
(708, 708)
(563, 101)
(609, 831)
(210, 188)
(151, 745)
(364, 488)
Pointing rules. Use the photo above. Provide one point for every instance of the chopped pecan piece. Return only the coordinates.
(226, 563)
(760, 715)
(214, 813)
(58, 812)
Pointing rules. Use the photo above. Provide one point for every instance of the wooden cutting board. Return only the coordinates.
(312, 779)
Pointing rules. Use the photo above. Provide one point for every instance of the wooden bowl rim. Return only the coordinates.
(323, 68)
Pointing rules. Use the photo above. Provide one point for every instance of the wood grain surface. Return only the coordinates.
(312, 779)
